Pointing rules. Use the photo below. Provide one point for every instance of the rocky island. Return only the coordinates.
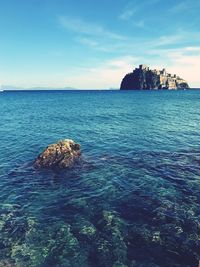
(143, 78)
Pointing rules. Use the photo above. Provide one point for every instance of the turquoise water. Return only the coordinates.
(134, 201)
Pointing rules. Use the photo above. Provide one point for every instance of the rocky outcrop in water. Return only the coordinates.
(62, 155)
(143, 78)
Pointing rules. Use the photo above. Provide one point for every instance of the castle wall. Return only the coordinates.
(146, 79)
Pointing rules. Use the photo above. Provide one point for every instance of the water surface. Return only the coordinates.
(133, 202)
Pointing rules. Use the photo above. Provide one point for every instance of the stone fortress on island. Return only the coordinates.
(143, 78)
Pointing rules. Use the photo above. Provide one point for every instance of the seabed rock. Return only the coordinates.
(62, 155)
(6, 263)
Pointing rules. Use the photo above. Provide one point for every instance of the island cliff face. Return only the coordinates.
(143, 78)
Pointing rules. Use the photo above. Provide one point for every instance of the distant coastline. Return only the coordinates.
(41, 88)
(38, 88)
(87, 90)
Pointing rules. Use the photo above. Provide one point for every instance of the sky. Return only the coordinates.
(90, 44)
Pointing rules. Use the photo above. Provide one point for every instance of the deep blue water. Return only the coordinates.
(135, 199)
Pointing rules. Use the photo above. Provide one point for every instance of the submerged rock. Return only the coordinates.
(7, 263)
(62, 155)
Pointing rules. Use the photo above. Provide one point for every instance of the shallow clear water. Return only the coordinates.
(134, 201)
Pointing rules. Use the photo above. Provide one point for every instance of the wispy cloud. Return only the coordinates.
(179, 7)
(105, 75)
(88, 41)
(80, 26)
(130, 14)
(183, 61)
(133, 10)
(127, 14)
(140, 23)
(179, 38)
(168, 40)
(185, 5)
(93, 43)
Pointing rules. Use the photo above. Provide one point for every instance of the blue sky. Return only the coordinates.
(93, 44)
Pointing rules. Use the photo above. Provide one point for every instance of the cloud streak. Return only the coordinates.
(127, 14)
(106, 75)
(133, 10)
(186, 5)
(182, 61)
(80, 26)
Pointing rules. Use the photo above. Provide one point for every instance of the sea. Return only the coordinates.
(133, 200)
